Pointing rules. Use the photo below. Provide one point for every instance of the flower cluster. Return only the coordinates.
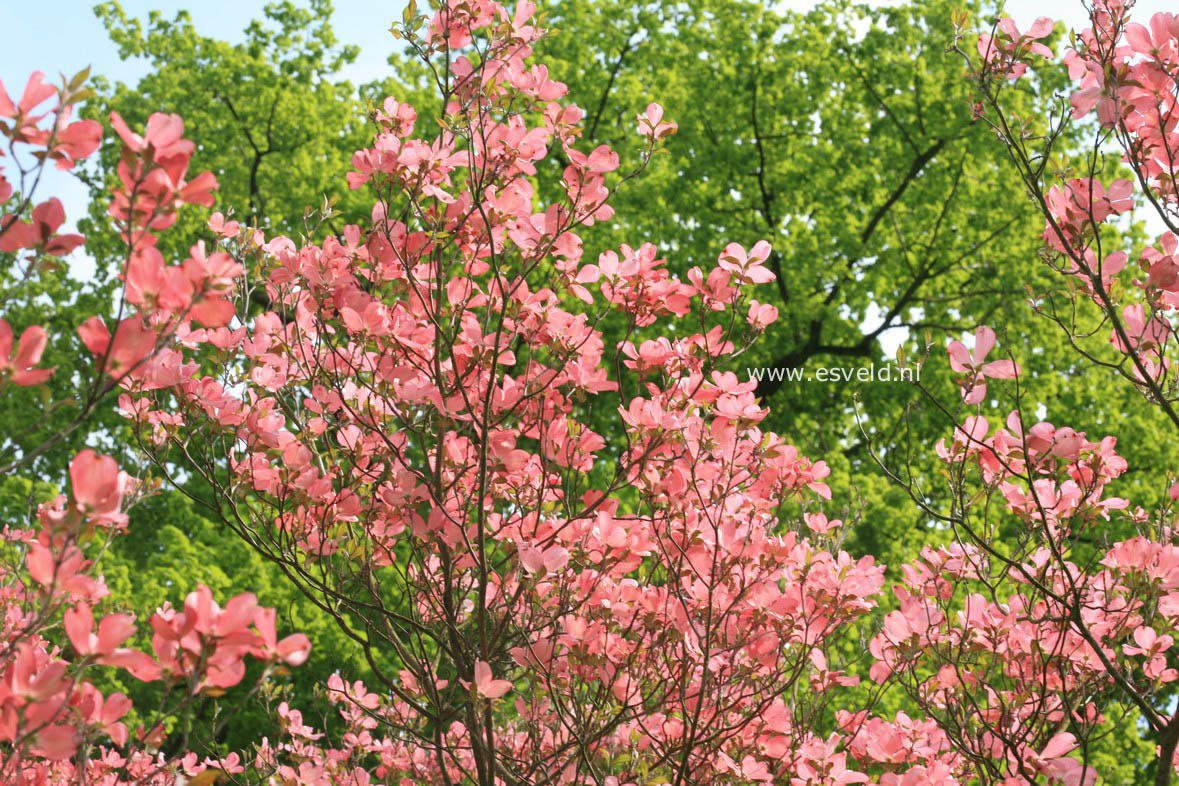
(56, 727)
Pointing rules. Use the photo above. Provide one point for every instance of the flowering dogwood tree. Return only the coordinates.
(1057, 597)
(406, 431)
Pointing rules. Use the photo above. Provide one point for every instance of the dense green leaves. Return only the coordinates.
(845, 136)
(171, 548)
(268, 118)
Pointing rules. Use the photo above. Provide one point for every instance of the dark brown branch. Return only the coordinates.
(767, 196)
(626, 48)
(918, 164)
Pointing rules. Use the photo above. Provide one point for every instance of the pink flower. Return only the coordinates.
(112, 631)
(224, 228)
(750, 769)
(47, 218)
(292, 650)
(132, 343)
(1009, 47)
(35, 676)
(551, 560)
(292, 722)
(19, 366)
(1148, 642)
(746, 268)
(75, 142)
(96, 483)
(761, 315)
(485, 685)
(650, 124)
(164, 135)
(36, 92)
(1160, 42)
(971, 362)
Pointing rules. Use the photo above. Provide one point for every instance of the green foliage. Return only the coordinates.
(168, 550)
(19, 497)
(845, 137)
(266, 115)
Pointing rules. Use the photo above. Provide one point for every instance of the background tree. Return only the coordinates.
(846, 136)
(284, 126)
